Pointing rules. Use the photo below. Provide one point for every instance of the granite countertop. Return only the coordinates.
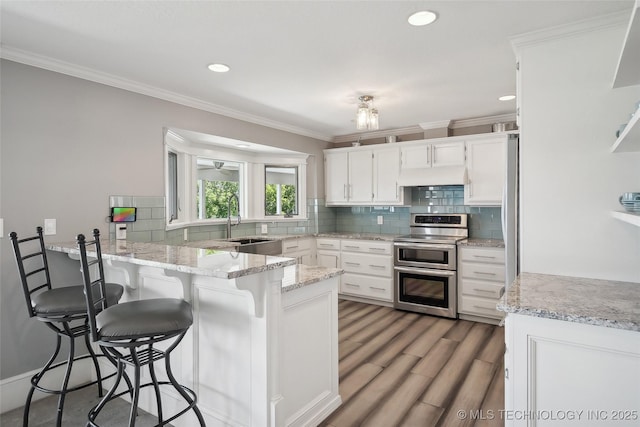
(299, 275)
(483, 243)
(223, 264)
(596, 302)
(358, 236)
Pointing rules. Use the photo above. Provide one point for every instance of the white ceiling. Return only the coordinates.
(295, 65)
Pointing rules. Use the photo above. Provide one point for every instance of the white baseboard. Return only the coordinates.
(14, 390)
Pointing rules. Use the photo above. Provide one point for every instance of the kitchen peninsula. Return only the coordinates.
(572, 349)
(263, 348)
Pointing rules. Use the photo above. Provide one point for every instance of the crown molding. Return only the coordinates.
(561, 31)
(377, 134)
(435, 125)
(74, 70)
(479, 121)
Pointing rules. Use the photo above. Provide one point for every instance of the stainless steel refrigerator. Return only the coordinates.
(510, 211)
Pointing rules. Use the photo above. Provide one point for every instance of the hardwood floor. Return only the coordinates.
(407, 369)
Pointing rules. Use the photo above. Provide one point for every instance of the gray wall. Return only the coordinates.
(68, 144)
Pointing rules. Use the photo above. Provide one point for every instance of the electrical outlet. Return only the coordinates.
(49, 227)
(380, 220)
(121, 231)
(185, 234)
(264, 229)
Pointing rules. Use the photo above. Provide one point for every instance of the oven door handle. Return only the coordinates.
(426, 271)
(437, 246)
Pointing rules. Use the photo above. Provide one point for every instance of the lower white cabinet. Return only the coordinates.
(560, 373)
(300, 249)
(328, 252)
(481, 278)
(368, 269)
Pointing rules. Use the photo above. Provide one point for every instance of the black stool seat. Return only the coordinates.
(69, 300)
(129, 331)
(144, 318)
(61, 309)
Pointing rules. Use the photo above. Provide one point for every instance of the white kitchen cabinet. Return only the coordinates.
(348, 176)
(368, 267)
(486, 169)
(386, 171)
(301, 249)
(481, 278)
(555, 367)
(328, 252)
(426, 154)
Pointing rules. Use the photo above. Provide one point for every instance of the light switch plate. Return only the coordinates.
(185, 234)
(380, 220)
(264, 229)
(49, 227)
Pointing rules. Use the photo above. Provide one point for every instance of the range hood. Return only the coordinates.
(446, 175)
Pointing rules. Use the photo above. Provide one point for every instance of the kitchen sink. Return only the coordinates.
(258, 246)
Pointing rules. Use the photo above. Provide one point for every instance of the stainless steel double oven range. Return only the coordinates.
(425, 263)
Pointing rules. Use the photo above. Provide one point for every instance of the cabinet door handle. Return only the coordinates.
(482, 290)
(484, 272)
(344, 191)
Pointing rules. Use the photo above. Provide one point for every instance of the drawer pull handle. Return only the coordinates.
(482, 290)
(484, 272)
(352, 285)
(377, 249)
(326, 244)
(352, 247)
(485, 256)
(377, 266)
(377, 289)
(291, 247)
(352, 263)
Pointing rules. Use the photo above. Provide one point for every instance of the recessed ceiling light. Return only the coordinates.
(219, 68)
(424, 17)
(507, 98)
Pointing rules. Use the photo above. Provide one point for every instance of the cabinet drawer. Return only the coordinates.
(491, 272)
(366, 246)
(295, 245)
(366, 286)
(481, 288)
(374, 265)
(328, 244)
(479, 307)
(484, 255)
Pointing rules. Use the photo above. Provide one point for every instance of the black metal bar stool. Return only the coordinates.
(62, 309)
(128, 331)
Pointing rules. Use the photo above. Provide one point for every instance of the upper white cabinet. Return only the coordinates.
(432, 162)
(363, 176)
(486, 163)
(348, 176)
(628, 70)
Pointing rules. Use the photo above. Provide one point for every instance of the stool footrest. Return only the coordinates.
(145, 357)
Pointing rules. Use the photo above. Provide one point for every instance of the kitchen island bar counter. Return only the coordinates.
(595, 302)
(224, 263)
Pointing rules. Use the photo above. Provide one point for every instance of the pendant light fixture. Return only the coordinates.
(367, 115)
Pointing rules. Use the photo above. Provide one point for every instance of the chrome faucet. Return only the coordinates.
(229, 225)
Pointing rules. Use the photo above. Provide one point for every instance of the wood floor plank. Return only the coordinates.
(360, 377)
(383, 375)
(426, 341)
(468, 398)
(347, 347)
(396, 405)
(362, 322)
(353, 412)
(446, 383)
(422, 415)
(400, 342)
(493, 401)
(432, 363)
(361, 354)
(494, 350)
(459, 330)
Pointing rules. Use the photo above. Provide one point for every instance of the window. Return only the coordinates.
(172, 186)
(216, 181)
(281, 190)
